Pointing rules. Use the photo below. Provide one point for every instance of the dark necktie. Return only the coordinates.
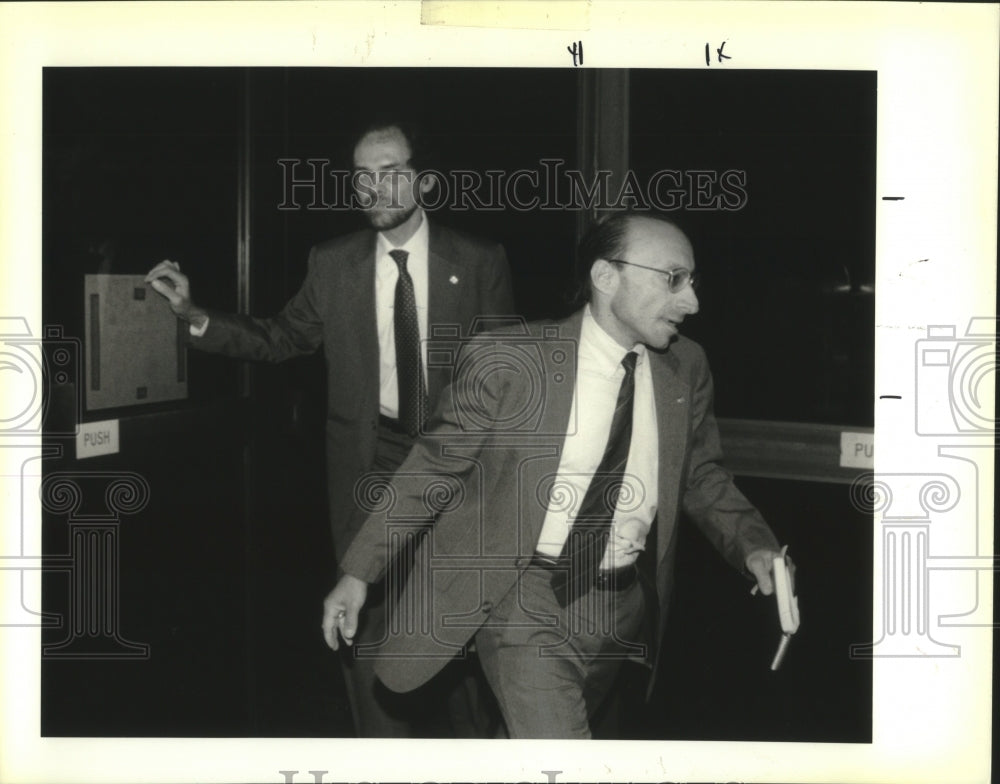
(409, 368)
(588, 538)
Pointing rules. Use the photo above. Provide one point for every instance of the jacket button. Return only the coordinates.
(486, 608)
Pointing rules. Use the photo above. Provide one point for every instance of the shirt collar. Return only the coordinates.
(416, 245)
(602, 349)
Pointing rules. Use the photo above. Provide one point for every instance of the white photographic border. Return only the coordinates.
(937, 67)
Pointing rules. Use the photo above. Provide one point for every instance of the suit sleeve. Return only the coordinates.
(429, 481)
(729, 521)
(297, 329)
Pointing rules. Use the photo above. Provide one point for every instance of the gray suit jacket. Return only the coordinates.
(335, 307)
(480, 473)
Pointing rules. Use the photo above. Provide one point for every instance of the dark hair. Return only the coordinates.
(606, 239)
(422, 154)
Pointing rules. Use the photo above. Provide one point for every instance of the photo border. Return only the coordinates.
(937, 70)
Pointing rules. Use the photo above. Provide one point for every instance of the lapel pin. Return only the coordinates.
(680, 400)
(453, 279)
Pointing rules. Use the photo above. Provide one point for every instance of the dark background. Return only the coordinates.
(223, 573)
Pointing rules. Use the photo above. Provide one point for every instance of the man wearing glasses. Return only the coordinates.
(554, 552)
(370, 299)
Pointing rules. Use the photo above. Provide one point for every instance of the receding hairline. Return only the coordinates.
(381, 132)
(634, 221)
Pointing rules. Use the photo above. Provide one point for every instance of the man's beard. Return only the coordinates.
(388, 219)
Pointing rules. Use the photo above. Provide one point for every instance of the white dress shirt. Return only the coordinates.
(599, 376)
(386, 275)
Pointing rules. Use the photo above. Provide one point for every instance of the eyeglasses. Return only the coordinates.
(677, 279)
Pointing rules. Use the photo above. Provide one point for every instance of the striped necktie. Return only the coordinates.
(588, 538)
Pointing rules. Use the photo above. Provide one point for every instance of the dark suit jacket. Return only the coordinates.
(495, 438)
(335, 307)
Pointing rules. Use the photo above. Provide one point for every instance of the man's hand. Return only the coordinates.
(167, 279)
(760, 564)
(341, 608)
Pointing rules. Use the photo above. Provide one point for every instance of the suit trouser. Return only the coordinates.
(456, 703)
(551, 667)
